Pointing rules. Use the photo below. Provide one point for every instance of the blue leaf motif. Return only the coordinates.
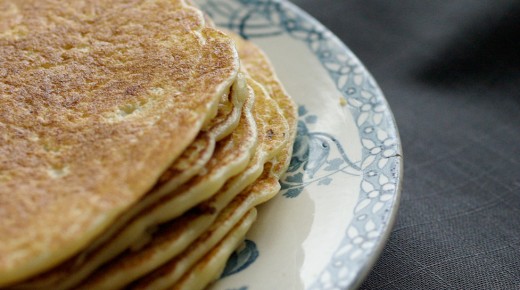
(325, 181)
(311, 119)
(302, 111)
(333, 165)
(284, 185)
(241, 259)
(293, 192)
(297, 178)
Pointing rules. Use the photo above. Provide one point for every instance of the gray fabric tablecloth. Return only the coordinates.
(451, 73)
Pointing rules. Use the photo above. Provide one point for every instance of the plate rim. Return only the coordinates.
(377, 250)
(389, 219)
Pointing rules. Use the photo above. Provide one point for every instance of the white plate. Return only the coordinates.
(329, 224)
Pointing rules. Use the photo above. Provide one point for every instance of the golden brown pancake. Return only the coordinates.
(229, 109)
(207, 269)
(97, 98)
(231, 157)
(201, 149)
(173, 238)
(182, 265)
(192, 160)
(257, 65)
(211, 266)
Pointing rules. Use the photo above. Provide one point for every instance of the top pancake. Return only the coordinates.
(97, 98)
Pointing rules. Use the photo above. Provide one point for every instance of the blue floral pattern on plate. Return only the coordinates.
(241, 258)
(312, 155)
(318, 156)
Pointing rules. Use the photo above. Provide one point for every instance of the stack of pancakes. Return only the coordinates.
(136, 141)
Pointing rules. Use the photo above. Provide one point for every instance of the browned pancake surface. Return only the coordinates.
(97, 98)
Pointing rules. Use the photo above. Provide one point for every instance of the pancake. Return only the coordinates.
(229, 109)
(183, 265)
(255, 62)
(92, 111)
(257, 65)
(191, 162)
(231, 157)
(171, 239)
(209, 268)
(198, 153)
(193, 159)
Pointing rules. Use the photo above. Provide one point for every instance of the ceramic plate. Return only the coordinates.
(339, 198)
